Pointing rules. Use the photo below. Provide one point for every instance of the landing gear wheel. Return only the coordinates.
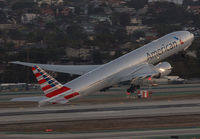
(138, 87)
(133, 88)
(128, 90)
(183, 54)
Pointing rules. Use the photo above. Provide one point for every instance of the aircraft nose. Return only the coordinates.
(191, 36)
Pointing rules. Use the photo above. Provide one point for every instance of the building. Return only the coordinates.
(180, 2)
(194, 9)
(113, 3)
(131, 29)
(88, 28)
(82, 53)
(49, 2)
(28, 18)
(135, 21)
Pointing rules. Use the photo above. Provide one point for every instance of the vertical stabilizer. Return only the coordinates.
(48, 84)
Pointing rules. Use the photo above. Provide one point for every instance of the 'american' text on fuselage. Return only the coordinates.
(161, 50)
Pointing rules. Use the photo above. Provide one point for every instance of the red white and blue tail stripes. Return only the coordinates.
(49, 85)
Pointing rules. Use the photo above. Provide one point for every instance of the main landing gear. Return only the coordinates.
(133, 88)
(183, 54)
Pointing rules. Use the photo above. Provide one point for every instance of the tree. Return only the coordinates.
(23, 5)
(35, 36)
(163, 29)
(120, 35)
(137, 4)
(44, 5)
(95, 10)
(50, 39)
(138, 34)
(122, 19)
(118, 53)
(75, 35)
(168, 13)
(191, 2)
(196, 20)
(3, 17)
(104, 37)
(16, 34)
(96, 57)
(2, 4)
(50, 26)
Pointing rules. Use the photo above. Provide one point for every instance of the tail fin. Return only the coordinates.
(49, 85)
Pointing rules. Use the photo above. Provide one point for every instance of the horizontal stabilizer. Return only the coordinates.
(31, 99)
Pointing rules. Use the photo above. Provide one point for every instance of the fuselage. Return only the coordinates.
(109, 74)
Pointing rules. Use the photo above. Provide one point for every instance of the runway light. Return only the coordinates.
(48, 130)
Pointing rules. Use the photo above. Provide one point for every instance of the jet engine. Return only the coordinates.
(164, 68)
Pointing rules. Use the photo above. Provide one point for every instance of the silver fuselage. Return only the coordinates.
(110, 73)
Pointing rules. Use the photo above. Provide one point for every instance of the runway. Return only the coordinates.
(106, 115)
(104, 111)
(78, 110)
(191, 132)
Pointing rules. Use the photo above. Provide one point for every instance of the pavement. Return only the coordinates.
(193, 132)
(103, 111)
(17, 115)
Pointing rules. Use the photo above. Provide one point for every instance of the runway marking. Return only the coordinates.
(99, 109)
(101, 112)
(159, 133)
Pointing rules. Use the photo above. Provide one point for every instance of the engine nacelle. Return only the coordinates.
(164, 68)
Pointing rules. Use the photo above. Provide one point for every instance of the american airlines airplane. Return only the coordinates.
(137, 64)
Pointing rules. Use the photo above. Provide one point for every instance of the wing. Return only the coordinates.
(71, 69)
(141, 71)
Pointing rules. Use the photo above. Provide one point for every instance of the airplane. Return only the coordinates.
(134, 65)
